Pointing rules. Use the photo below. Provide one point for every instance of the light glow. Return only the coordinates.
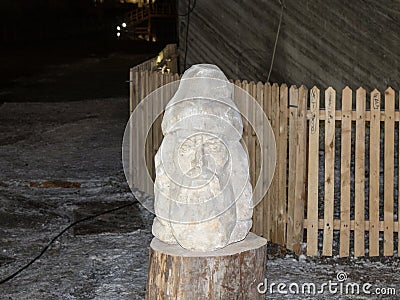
(124, 24)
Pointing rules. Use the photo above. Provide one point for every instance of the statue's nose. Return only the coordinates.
(198, 157)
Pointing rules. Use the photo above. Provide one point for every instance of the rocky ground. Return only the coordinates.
(60, 160)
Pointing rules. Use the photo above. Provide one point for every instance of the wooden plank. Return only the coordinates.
(132, 90)
(336, 225)
(235, 95)
(258, 221)
(250, 89)
(157, 133)
(374, 173)
(282, 153)
(252, 136)
(313, 169)
(248, 136)
(135, 130)
(267, 103)
(300, 186)
(398, 196)
(167, 88)
(275, 181)
(246, 126)
(149, 135)
(389, 173)
(150, 154)
(345, 159)
(153, 86)
(367, 115)
(293, 103)
(359, 176)
(330, 102)
(171, 86)
(141, 138)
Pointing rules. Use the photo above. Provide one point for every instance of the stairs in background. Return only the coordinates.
(138, 22)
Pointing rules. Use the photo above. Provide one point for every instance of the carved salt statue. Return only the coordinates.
(203, 196)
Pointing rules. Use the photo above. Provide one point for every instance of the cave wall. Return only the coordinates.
(324, 43)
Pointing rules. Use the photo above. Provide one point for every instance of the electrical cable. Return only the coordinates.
(189, 11)
(57, 236)
(276, 39)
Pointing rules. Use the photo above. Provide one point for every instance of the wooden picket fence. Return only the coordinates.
(309, 207)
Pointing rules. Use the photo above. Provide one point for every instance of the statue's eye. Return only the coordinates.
(184, 148)
(215, 146)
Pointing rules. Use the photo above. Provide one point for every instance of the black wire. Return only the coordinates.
(60, 234)
(276, 38)
(190, 10)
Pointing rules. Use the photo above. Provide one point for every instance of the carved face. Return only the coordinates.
(203, 160)
(202, 151)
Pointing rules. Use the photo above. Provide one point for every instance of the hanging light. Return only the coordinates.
(124, 24)
(118, 28)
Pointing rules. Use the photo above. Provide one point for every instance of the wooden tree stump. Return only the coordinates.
(229, 273)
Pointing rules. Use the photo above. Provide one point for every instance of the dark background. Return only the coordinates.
(38, 34)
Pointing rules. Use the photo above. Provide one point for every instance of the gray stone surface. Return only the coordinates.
(325, 43)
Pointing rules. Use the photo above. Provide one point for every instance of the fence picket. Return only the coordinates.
(246, 126)
(149, 134)
(258, 214)
(132, 91)
(298, 216)
(136, 88)
(330, 102)
(300, 197)
(267, 103)
(252, 135)
(275, 181)
(359, 175)
(141, 142)
(389, 173)
(374, 173)
(281, 141)
(345, 173)
(313, 165)
(152, 88)
(293, 138)
(176, 77)
(136, 98)
(157, 132)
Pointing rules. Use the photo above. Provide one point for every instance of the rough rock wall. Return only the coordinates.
(325, 43)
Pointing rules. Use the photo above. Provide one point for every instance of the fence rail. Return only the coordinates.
(336, 181)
